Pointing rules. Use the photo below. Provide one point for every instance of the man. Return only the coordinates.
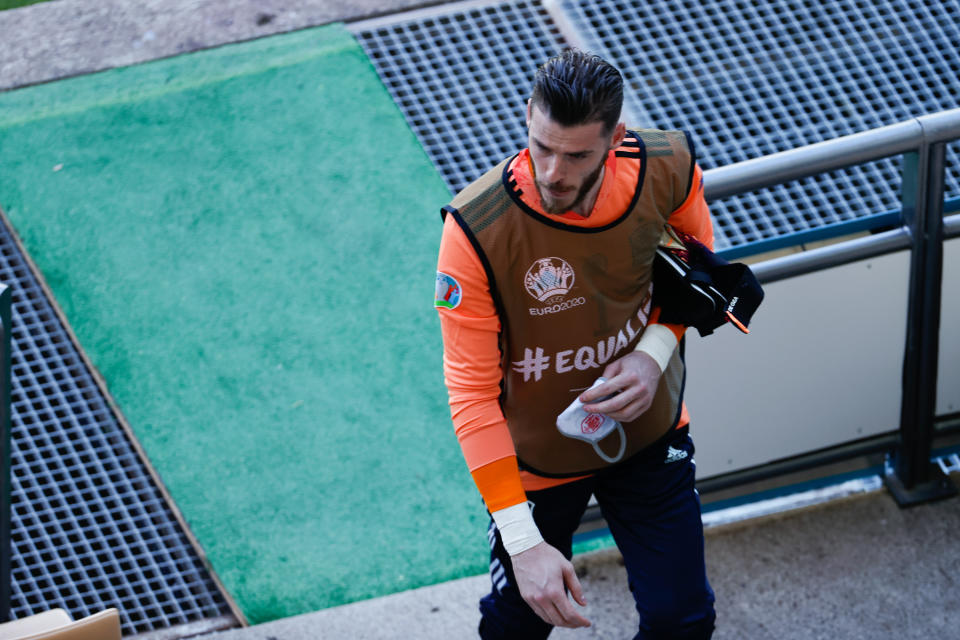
(543, 286)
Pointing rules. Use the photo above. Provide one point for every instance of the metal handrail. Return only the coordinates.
(951, 226)
(858, 148)
(832, 255)
(922, 143)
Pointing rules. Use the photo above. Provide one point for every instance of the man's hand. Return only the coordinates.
(635, 376)
(542, 574)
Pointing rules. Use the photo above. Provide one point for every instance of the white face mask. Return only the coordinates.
(576, 423)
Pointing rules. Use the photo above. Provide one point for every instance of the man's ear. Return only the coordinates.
(619, 133)
(529, 110)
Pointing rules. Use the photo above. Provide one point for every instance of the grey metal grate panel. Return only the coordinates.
(462, 78)
(90, 529)
(749, 79)
(746, 79)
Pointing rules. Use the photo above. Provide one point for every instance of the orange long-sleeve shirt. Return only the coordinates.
(470, 331)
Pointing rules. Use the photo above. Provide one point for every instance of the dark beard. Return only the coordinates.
(581, 194)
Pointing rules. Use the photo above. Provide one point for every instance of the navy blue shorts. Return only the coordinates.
(653, 511)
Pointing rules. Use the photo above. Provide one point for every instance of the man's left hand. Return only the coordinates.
(634, 379)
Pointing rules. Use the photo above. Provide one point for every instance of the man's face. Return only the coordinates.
(567, 161)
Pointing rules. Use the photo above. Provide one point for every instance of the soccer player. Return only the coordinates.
(544, 286)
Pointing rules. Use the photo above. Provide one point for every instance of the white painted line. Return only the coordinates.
(793, 501)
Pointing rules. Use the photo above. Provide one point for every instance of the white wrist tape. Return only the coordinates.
(658, 342)
(517, 529)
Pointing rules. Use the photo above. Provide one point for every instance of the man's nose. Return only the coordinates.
(554, 170)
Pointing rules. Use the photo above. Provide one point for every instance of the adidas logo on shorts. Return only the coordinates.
(674, 455)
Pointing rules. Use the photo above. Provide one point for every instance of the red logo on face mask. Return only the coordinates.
(591, 423)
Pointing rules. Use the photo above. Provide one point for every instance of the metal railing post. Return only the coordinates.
(909, 474)
(6, 473)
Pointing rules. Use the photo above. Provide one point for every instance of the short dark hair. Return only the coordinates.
(576, 88)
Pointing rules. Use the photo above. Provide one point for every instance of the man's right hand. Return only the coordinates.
(543, 575)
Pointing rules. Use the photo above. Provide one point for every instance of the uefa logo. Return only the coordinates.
(548, 277)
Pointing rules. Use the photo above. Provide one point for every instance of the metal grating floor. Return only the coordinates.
(746, 79)
(89, 528)
(460, 74)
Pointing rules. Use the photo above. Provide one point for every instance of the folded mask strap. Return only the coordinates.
(623, 447)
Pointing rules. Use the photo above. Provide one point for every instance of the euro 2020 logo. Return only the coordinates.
(548, 277)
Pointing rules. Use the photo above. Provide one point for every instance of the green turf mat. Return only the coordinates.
(244, 240)
(13, 4)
